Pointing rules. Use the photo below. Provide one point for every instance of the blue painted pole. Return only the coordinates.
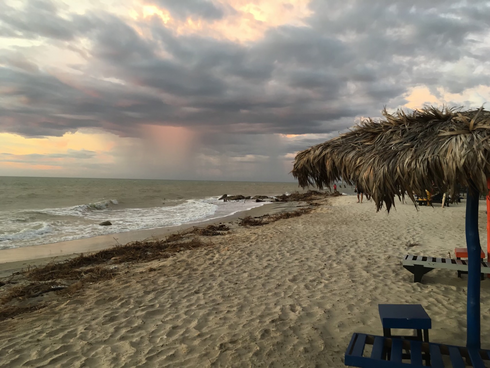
(474, 269)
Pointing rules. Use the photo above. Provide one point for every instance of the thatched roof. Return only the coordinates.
(404, 152)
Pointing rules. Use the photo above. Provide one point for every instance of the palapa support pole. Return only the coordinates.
(474, 269)
(488, 222)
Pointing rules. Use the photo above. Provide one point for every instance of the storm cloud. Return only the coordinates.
(310, 78)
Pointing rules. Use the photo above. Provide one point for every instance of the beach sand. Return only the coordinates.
(287, 294)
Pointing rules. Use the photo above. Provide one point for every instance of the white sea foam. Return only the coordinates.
(34, 231)
(231, 207)
(82, 221)
(80, 210)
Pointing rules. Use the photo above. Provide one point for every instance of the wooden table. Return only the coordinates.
(406, 316)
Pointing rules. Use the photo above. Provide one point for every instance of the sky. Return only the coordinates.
(220, 89)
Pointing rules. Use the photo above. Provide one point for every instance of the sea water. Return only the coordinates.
(36, 211)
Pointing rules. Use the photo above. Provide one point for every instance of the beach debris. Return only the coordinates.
(267, 219)
(69, 271)
(30, 290)
(90, 267)
(105, 223)
(12, 311)
(211, 230)
(113, 260)
(252, 221)
(175, 237)
(411, 244)
(314, 204)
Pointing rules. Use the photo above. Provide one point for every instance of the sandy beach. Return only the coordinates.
(286, 294)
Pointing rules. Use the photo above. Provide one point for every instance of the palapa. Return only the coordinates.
(410, 152)
(404, 153)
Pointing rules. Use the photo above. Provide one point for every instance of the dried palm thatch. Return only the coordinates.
(405, 152)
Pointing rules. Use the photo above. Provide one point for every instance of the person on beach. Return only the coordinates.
(360, 192)
(335, 187)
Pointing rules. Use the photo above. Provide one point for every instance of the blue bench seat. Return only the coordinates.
(388, 352)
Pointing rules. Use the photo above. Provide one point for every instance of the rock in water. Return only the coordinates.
(105, 223)
(238, 197)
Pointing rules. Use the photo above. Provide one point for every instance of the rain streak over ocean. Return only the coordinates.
(36, 211)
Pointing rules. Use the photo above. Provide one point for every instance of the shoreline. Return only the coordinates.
(15, 259)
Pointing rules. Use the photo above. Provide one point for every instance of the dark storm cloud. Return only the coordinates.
(223, 58)
(18, 61)
(53, 106)
(171, 77)
(313, 79)
(40, 18)
(304, 47)
(382, 29)
(117, 44)
(351, 58)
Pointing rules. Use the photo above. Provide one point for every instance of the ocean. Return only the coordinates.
(35, 211)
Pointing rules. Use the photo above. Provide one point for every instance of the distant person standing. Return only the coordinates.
(360, 193)
(335, 187)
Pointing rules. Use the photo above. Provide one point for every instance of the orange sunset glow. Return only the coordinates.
(250, 21)
(149, 10)
(19, 145)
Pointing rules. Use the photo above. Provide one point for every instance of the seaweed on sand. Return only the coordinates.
(139, 251)
(211, 230)
(267, 219)
(12, 311)
(30, 290)
(62, 271)
(252, 221)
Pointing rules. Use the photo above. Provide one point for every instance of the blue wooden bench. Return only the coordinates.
(383, 347)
